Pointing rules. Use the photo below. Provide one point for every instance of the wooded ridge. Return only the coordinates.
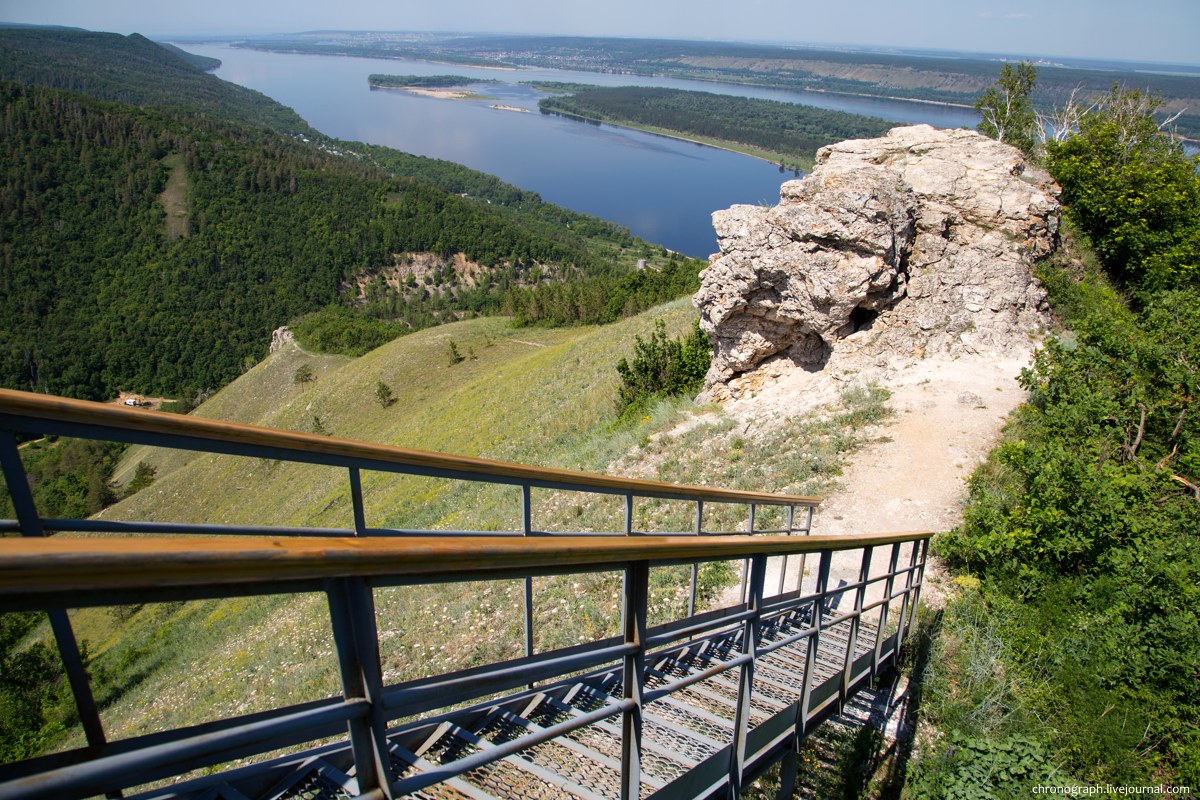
(787, 131)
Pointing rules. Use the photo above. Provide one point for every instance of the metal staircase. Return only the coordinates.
(692, 708)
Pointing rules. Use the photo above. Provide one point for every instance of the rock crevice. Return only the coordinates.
(917, 242)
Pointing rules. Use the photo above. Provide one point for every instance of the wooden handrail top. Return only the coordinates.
(25, 408)
(32, 566)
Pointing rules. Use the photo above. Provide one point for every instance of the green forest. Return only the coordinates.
(421, 81)
(1070, 654)
(104, 290)
(134, 70)
(786, 131)
(99, 299)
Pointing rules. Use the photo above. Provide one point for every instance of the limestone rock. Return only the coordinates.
(918, 242)
(279, 337)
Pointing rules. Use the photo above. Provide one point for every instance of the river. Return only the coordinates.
(664, 190)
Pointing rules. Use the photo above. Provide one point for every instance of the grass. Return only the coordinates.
(541, 396)
(176, 203)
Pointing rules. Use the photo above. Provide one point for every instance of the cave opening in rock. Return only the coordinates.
(862, 317)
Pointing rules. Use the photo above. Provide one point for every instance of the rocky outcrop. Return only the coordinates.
(920, 241)
(280, 338)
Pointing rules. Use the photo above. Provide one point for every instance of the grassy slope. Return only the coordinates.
(541, 396)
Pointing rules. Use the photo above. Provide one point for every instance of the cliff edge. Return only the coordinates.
(916, 244)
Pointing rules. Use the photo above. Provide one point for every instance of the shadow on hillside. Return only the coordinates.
(891, 764)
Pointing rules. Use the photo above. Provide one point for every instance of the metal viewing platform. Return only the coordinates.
(692, 708)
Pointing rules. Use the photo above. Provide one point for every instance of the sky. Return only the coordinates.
(1149, 30)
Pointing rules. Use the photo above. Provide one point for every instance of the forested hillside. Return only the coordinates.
(154, 248)
(132, 69)
(99, 298)
(787, 131)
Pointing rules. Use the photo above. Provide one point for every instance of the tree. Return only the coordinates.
(1133, 190)
(1006, 108)
(383, 395)
(303, 374)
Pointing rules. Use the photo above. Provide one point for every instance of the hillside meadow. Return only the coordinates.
(542, 396)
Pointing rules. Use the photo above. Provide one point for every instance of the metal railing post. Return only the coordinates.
(888, 587)
(750, 635)
(695, 577)
(636, 588)
(355, 636)
(60, 623)
(923, 547)
(808, 518)
(356, 500)
(906, 600)
(527, 529)
(791, 520)
(814, 642)
(745, 561)
(855, 623)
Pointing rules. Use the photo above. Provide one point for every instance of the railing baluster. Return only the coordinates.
(864, 572)
(356, 639)
(906, 604)
(750, 635)
(923, 548)
(888, 587)
(695, 576)
(526, 530)
(356, 500)
(743, 591)
(808, 520)
(60, 623)
(636, 590)
(814, 642)
(791, 519)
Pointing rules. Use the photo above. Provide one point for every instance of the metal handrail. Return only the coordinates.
(36, 413)
(58, 572)
(34, 568)
(150, 561)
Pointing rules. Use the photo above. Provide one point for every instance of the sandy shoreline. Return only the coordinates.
(440, 94)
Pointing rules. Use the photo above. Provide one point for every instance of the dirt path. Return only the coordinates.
(949, 414)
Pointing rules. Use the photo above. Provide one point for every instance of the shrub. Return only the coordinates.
(662, 367)
(337, 329)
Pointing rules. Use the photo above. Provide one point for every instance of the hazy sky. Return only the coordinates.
(1151, 30)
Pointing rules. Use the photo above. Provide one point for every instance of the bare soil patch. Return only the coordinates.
(175, 199)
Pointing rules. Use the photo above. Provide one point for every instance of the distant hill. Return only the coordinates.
(200, 62)
(156, 250)
(132, 69)
(153, 247)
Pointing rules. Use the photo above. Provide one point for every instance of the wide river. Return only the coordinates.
(662, 189)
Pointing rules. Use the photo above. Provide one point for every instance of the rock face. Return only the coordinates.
(921, 241)
(280, 337)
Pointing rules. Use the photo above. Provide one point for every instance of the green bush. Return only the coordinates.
(1082, 524)
(662, 367)
(1133, 191)
(969, 768)
(337, 329)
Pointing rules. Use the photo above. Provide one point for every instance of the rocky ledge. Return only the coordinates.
(920, 242)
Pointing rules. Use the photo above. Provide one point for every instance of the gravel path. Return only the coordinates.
(948, 415)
